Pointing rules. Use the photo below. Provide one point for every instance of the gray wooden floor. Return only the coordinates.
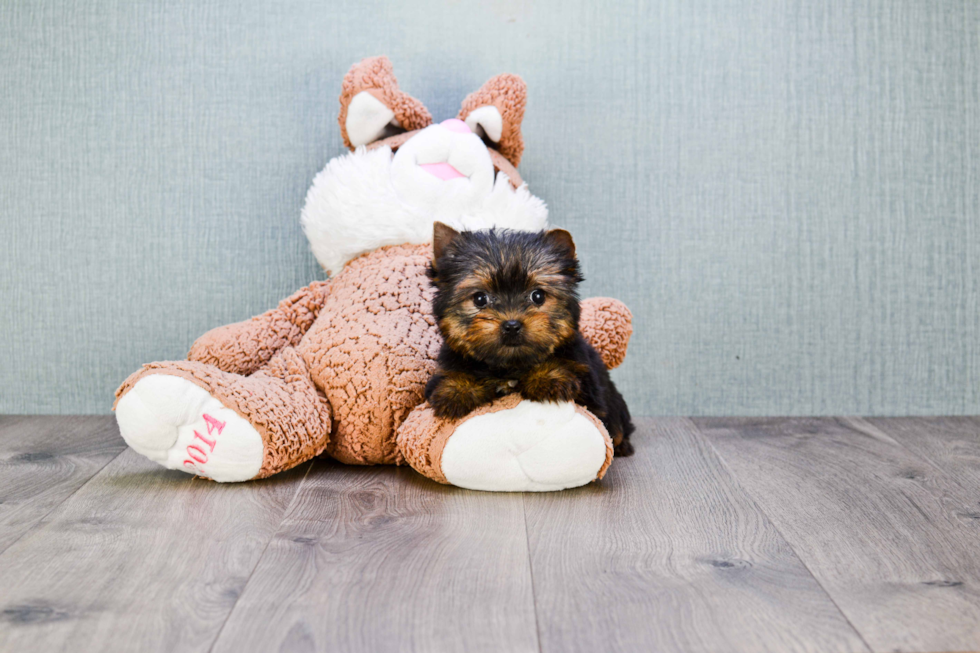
(718, 535)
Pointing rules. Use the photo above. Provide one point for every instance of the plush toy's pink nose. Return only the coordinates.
(456, 125)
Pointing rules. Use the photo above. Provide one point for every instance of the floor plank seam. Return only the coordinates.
(724, 463)
(530, 570)
(40, 522)
(285, 513)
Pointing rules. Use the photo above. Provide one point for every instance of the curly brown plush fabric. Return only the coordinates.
(509, 94)
(607, 325)
(244, 347)
(609, 443)
(374, 354)
(376, 76)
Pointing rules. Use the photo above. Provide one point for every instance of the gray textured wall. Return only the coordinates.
(786, 193)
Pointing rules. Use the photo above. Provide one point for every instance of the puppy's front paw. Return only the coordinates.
(446, 407)
(455, 395)
(551, 382)
(556, 391)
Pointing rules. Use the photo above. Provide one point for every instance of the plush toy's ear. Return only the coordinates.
(562, 240)
(442, 235)
(372, 107)
(495, 113)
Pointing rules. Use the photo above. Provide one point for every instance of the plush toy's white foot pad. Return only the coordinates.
(180, 425)
(533, 447)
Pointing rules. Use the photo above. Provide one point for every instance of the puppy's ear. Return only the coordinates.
(561, 240)
(442, 235)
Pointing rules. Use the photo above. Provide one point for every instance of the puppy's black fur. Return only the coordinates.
(507, 306)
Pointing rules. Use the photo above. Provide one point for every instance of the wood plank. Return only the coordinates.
(950, 443)
(43, 460)
(139, 559)
(669, 554)
(381, 559)
(882, 529)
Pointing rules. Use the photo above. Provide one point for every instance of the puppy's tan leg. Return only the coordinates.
(553, 380)
(457, 394)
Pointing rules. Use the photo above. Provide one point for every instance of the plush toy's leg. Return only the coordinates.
(192, 416)
(512, 445)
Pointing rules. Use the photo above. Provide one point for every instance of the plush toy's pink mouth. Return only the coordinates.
(442, 170)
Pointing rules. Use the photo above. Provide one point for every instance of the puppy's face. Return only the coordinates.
(506, 298)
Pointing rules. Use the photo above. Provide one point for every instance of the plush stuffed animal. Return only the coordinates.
(339, 367)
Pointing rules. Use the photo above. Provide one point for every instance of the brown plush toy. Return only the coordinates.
(339, 367)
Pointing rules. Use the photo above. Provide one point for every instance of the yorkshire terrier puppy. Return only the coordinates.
(507, 306)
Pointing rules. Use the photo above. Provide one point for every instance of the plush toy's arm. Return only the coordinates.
(244, 347)
(607, 324)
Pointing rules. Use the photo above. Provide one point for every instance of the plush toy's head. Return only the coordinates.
(406, 172)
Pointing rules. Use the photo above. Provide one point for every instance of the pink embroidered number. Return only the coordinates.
(201, 457)
(203, 439)
(195, 454)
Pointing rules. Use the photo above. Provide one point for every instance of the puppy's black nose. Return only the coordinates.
(511, 327)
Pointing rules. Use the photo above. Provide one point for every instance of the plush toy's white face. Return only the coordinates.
(370, 198)
(444, 169)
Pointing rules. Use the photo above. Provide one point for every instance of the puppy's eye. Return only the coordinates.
(480, 299)
(537, 297)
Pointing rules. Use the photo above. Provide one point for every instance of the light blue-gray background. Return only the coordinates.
(786, 193)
